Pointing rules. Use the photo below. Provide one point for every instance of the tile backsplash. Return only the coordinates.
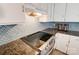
(5, 28)
(74, 26)
(9, 33)
(3, 32)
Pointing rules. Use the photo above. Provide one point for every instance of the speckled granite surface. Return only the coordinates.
(53, 31)
(17, 47)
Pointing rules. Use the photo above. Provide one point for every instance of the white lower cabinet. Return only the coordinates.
(61, 42)
(67, 43)
(73, 48)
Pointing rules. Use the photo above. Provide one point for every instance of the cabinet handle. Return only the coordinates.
(67, 45)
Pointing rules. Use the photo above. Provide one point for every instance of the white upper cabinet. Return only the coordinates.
(59, 12)
(11, 13)
(36, 7)
(63, 12)
(48, 17)
(72, 12)
(56, 12)
(50, 12)
(46, 9)
(41, 7)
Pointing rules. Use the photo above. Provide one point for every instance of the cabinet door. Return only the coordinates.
(48, 17)
(39, 7)
(72, 12)
(50, 12)
(12, 13)
(61, 42)
(73, 48)
(59, 12)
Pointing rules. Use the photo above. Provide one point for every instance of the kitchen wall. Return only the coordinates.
(33, 25)
(10, 33)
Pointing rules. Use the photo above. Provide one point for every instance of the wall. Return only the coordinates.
(10, 33)
(33, 25)
(13, 32)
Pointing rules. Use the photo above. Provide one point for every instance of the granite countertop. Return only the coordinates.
(53, 31)
(17, 47)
